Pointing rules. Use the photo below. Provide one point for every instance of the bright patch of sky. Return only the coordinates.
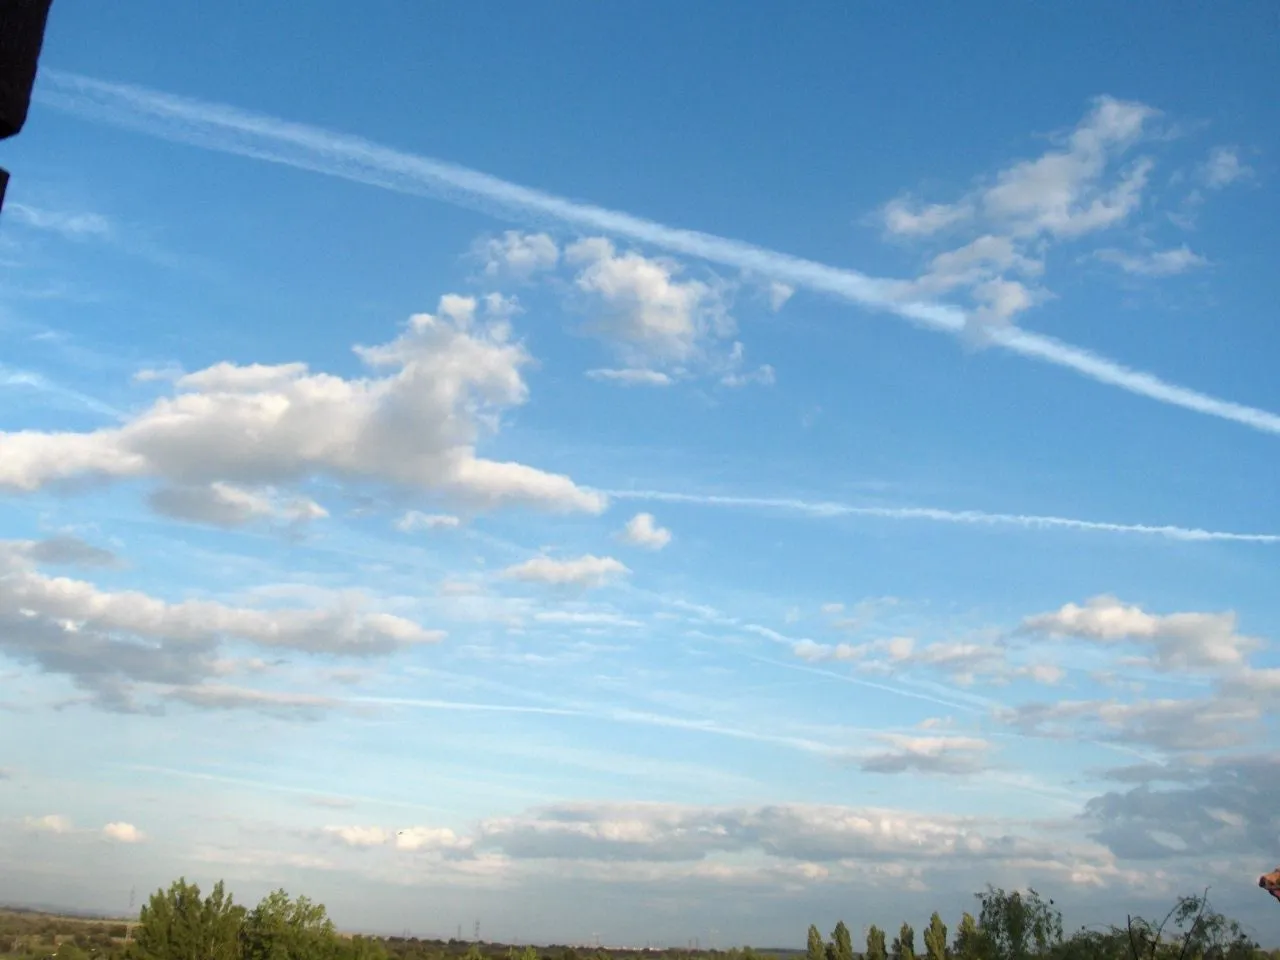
(641, 471)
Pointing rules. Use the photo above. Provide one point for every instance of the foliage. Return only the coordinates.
(875, 944)
(842, 941)
(817, 949)
(1016, 926)
(904, 944)
(969, 943)
(178, 925)
(1192, 930)
(935, 938)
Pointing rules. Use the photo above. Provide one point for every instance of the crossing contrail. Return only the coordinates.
(826, 508)
(232, 130)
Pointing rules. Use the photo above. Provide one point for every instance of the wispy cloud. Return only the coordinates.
(13, 379)
(1159, 263)
(227, 129)
(827, 508)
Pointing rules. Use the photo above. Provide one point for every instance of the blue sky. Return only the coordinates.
(642, 471)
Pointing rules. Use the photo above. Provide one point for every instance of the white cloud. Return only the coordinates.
(430, 839)
(779, 294)
(1061, 192)
(1178, 641)
(632, 377)
(416, 426)
(227, 129)
(734, 376)
(122, 832)
(275, 703)
(905, 217)
(75, 226)
(49, 823)
(1159, 263)
(360, 836)
(222, 504)
(414, 839)
(937, 754)
(1167, 724)
(650, 315)
(642, 531)
(1224, 168)
(111, 643)
(585, 571)
(517, 254)
(621, 832)
(414, 520)
(1065, 193)
(67, 550)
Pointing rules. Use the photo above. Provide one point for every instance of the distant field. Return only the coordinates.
(28, 933)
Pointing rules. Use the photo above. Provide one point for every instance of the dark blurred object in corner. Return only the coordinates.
(21, 36)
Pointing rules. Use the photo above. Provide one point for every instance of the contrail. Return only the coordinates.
(231, 130)
(825, 508)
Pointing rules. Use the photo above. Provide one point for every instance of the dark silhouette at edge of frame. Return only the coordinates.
(22, 26)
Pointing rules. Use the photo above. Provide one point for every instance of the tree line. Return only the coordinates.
(1025, 926)
(182, 924)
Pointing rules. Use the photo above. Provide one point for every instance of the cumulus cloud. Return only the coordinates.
(1224, 168)
(275, 703)
(1063, 191)
(584, 571)
(108, 642)
(643, 531)
(49, 823)
(906, 217)
(413, 424)
(66, 550)
(518, 255)
(962, 661)
(1219, 806)
(413, 839)
(632, 377)
(814, 833)
(1159, 263)
(122, 832)
(936, 754)
(1176, 641)
(222, 504)
(360, 836)
(1167, 724)
(414, 520)
(1076, 188)
(661, 326)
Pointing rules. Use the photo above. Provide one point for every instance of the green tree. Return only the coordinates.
(875, 944)
(904, 945)
(970, 944)
(176, 924)
(817, 949)
(279, 928)
(71, 951)
(1016, 926)
(935, 938)
(1192, 930)
(842, 942)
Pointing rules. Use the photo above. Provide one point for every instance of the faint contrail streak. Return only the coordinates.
(823, 508)
(231, 130)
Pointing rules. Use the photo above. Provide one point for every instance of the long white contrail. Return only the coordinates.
(826, 508)
(231, 130)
